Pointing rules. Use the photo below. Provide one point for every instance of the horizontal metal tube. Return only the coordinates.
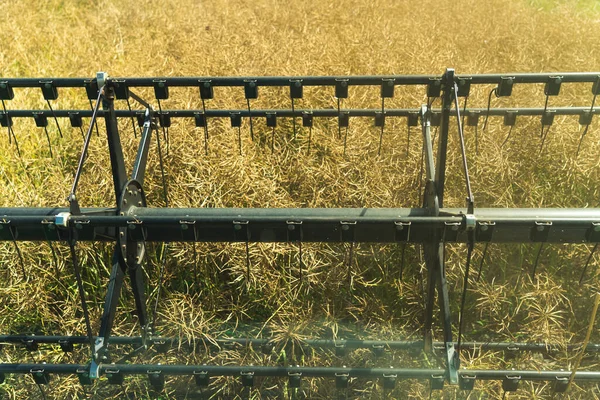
(331, 372)
(373, 225)
(367, 113)
(320, 343)
(310, 80)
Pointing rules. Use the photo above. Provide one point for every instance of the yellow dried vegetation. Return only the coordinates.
(209, 296)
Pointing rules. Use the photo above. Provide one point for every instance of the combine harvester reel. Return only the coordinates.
(131, 224)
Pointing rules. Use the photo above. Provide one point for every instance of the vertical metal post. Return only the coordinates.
(119, 267)
(435, 250)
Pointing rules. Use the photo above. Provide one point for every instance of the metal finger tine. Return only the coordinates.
(544, 139)
(10, 129)
(470, 247)
(537, 259)
(49, 143)
(19, 254)
(250, 119)
(247, 264)
(8, 120)
(587, 262)
(205, 128)
(195, 254)
(485, 249)
(300, 263)
(402, 260)
(508, 136)
(86, 314)
(382, 125)
(165, 131)
(55, 119)
(339, 126)
(272, 140)
(92, 107)
(350, 259)
(162, 169)
(250, 92)
(293, 118)
(542, 121)
(487, 113)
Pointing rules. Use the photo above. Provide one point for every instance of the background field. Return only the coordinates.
(211, 297)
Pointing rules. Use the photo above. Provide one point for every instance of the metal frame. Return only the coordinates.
(130, 224)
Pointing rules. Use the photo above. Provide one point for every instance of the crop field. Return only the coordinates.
(369, 291)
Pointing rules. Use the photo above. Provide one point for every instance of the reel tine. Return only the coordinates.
(387, 91)
(272, 123)
(296, 92)
(206, 93)
(165, 130)
(586, 118)
(49, 143)
(485, 249)
(236, 122)
(50, 92)
(341, 92)
(307, 121)
(344, 122)
(537, 259)
(250, 92)
(547, 120)
(162, 169)
(510, 119)
(6, 120)
(589, 259)
(402, 260)
(41, 121)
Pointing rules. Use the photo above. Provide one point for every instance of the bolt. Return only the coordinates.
(596, 228)
(291, 227)
(161, 84)
(454, 227)
(297, 84)
(130, 192)
(237, 227)
(540, 228)
(124, 201)
(207, 84)
(121, 213)
(484, 228)
(139, 204)
(344, 83)
(399, 227)
(252, 84)
(122, 234)
(184, 227)
(390, 83)
(345, 227)
(48, 85)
